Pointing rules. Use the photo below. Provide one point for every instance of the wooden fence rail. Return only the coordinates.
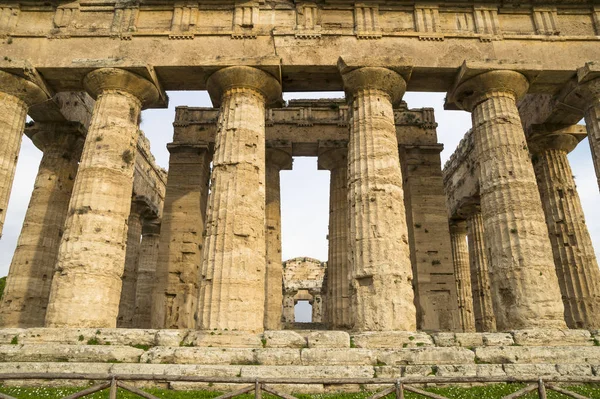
(398, 386)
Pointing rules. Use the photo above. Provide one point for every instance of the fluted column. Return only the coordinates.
(132, 253)
(177, 286)
(338, 271)
(574, 257)
(16, 96)
(520, 255)
(460, 256)
(28, 284)
(233, 277)
(483, 309)
(317, 306)
(590, 90)
(288, 307)
(383, 296)
(276, 160)
(146, 272)
(86, 288)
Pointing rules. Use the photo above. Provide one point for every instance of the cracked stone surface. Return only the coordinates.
(462, 273)
(86, 287)
(28, 286)
(382, 293)
(232, 293)
(520, 255)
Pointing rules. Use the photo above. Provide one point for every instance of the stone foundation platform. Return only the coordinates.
(297, 354)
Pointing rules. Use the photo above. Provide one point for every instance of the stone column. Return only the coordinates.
(146, 274)
(175, 295)
(233, 278)
(460, 256)
(338, 271)
(28, 285)
(132, 253)
(574, 257)
(317, 306)
(16, 96)
(590, 90)
(276, 160)
(86, 288)
(519, 251)
(383, 296)
(289, 305)
(483, 309)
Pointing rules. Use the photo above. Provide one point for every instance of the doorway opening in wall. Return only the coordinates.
(303, 312)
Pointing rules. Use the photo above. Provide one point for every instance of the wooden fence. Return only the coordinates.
(396, 387)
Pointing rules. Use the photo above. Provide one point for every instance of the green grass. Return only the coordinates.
(454, 392)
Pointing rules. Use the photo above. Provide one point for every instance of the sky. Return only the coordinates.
(304, 190)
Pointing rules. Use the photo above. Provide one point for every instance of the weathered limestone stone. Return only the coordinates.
(539, 355)
(288, 312)
(170, 337)
(338, 271)
(329, 371)
(337, 357)
(284, 339)
(87, 283)
(176, 288)
(146, 272)
(16, 96)
(276, 160)
(223, 339)
(469, 340)
(483, 308)
(520, 257)
(28, 285)
(590, 88)
(328, 339)
(383, 296)
(185, 355)
(132, 253)
(552, 337)
(317, 305)
(426, 356)
(574, 257)
(498, 339)
(391, 339)
(70, 353)
(233, 280)
(530, 370)
(460, 255)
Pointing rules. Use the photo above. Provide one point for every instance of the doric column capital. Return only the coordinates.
(474, 90)
(243, 77)
(114, 79)
(58, 136)
(458, 226)
(555, 141)
(278, 158)
(21, 88)
(588, 79)
(333, 159)
(375, 78)
(151, 226)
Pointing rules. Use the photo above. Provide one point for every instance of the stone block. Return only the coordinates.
(538, 355)
(425, 356)
(469, 340)
(444, 339)
(55, 367)
(552, 337)
(417, 371)
(388, 371)
(328, 339)
(307, 371)
(278, 356)
(170, 337)
(497, 339)
(530, 370)
(392, 339)
(205, 386)
(284, 339)
(223, 339)
(69, 353)
(328, 356)
(191, 355)
(490, 370)
(575, 370)
(7, 335)
(461, 370)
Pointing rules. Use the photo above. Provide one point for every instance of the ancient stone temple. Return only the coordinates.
(110, 240)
